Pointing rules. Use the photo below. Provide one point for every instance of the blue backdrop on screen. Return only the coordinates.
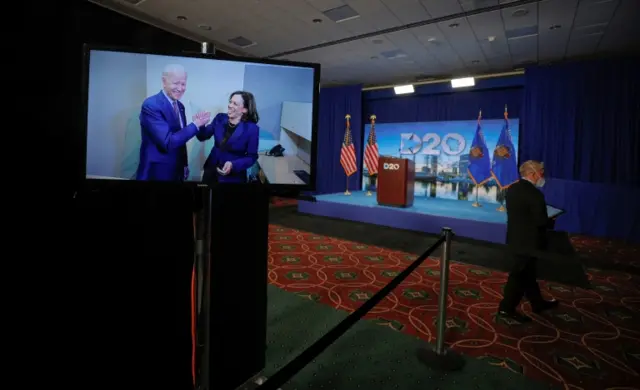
(440, 151)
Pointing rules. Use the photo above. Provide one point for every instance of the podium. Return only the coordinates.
(396, 178)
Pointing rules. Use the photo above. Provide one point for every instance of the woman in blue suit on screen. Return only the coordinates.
(236, 135)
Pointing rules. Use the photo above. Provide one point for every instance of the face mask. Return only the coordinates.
(540, 183)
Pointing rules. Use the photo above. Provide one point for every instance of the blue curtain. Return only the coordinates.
(595, 209)
(446, 107)
(335, 103)
(583, 120)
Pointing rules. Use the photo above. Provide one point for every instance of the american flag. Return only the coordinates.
(348, 152)
(371, 150)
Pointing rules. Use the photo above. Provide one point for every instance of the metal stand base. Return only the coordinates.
(447, 361)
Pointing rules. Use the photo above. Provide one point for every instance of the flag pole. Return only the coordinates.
(501, 209)
(501, 190)
(373, 123)
(346, 191)
(476, 203)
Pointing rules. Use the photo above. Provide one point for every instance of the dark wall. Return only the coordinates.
(120, 262)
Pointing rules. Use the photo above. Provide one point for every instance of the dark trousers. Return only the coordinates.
(521, 283)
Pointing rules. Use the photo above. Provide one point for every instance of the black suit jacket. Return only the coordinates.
(527, 219)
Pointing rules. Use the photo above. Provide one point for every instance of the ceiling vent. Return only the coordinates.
(341, 14)
(590, 30)
(242, 42)
(524, 32)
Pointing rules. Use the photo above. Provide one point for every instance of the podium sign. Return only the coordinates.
(396, 177)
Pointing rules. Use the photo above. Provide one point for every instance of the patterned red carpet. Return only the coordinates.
(591, 342)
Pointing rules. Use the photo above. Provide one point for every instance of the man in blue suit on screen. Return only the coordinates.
(165, 133)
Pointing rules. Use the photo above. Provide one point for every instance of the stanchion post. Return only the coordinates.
(444, 284)
(439, 357)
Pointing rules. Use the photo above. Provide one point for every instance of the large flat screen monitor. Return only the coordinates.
(190, 118)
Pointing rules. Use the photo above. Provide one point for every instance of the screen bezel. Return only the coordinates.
(92, 184)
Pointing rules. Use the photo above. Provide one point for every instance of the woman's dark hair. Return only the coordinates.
(249, 103)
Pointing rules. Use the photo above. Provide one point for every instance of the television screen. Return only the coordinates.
(196, 119)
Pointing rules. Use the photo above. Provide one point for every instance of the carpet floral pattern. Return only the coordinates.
(591, 342)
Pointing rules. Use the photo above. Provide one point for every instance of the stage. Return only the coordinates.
(428, 215)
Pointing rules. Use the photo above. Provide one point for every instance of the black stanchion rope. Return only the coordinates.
(302, 360)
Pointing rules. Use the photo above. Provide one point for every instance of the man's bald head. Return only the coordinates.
(174, 81)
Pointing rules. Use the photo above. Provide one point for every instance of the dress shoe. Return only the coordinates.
(544, 306)
(518, 317)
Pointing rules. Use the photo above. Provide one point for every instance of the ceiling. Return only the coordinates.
(378, 42)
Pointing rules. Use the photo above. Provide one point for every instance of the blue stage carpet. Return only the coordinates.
(427, 215)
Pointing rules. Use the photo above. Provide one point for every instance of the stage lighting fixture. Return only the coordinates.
(463, 82)
(403, 89)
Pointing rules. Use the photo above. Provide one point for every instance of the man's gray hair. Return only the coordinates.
(173, 69)
(530, 166)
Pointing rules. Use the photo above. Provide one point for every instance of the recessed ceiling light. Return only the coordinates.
(204, 27)
(454, 25)
(519, 13)
(317, 20)
(181, 18)
(431, 39)
(555, 27)
(491, 38)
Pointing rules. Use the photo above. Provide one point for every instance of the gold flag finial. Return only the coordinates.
(347, 117)
(373, 118)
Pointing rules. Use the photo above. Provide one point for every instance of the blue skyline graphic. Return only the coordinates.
(440, 151)
(389, 140)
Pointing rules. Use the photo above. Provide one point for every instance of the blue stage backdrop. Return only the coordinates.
(440, 151)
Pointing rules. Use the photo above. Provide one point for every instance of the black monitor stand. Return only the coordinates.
(232, 278)
(231, 229)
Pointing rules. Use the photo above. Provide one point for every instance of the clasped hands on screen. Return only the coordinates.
(226, 168)
(201, 119)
